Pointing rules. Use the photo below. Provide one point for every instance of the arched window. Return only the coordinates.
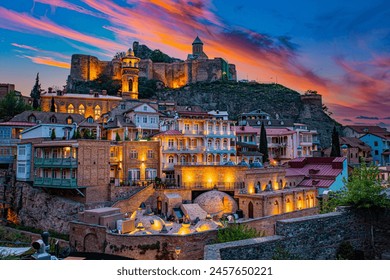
(70, 109)
(98, 112)
(209, 158)
(299, 203)
(225, 144)
(288, 205)
(170, 159)
(275, 210)
(53, 119)
(194, 158)
(81, 109)
(131, 85)
(217, 144)
(209, 143)
(32, 119)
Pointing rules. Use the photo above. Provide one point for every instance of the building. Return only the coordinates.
(325, 174)
(380, 146)
(196, 68)
(134, 163)
(138, 122)
(358, 131)
(78, 169)
(193, 137)
(355, 150)
(87, 105)
(256, 117)
(10, 133)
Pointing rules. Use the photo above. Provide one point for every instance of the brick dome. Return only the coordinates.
(216, 203)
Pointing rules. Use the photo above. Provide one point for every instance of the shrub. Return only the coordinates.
(236, 232)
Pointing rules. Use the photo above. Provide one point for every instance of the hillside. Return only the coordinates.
(236, 97)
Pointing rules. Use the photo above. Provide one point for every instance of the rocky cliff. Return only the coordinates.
(238, 97)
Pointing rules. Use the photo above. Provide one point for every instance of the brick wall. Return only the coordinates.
(131, 205)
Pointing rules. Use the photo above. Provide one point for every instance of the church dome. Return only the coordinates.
(216, 203)
(130, 52)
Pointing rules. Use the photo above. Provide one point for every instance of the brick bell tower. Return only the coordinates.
(130, 75)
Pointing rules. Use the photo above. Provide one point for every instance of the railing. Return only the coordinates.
(186, 149)
(60, 162)
(211, 133)
(220, 150)
(192, 132)
(55, 182)
(7, 159)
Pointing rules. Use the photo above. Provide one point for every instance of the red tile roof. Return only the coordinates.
(318, 183)
(169, 133)
(367, 128)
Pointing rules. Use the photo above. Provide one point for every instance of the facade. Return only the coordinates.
(134, 163)
(380, 147)
(45, 131)
(196, 68)
(86, 105)
(140, 121)
(74, 168)
(193, 138)
(10, 133)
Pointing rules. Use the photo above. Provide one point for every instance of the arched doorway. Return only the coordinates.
(250, 210)
(159, 205)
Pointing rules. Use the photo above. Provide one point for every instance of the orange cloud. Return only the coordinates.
(48, 61)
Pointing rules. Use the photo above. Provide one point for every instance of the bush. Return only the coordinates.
(237, 232)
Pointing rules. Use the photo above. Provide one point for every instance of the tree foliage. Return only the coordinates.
(263, 145)
(53, 134)
(103, 82)
(52, 105)
(335, 152)
(236, 232)
(363, 190)
(12, 105)
(36, 93)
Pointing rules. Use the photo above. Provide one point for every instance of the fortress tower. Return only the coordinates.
(197, 49)
(130, 75)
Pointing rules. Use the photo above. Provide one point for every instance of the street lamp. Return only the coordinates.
(177, 252)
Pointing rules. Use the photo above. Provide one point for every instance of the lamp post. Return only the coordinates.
(177, 252)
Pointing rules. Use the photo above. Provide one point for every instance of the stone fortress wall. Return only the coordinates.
(173, 75)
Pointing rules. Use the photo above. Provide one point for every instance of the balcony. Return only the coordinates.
(193, 132)
(55, 162)
(219, 134)
(219, 150)
(6, 159)
(55, 183)
(175, 149)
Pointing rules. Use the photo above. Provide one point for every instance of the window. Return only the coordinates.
(225, 144)
(376, 143)
(74, 173)
(209, 143)
(90, 120)
(133, 154)
(145, 119)
(150, 173)
(170, 159)
(81, 109)
(134, 174)
(150, 153)
(22, 168)
(53, 119)
(217, 144)
(98, 112)
(187, 127)
(376, 152)
(224, 128)
(123, 106)
(210, 127)
(196, 127)
(153, 120)
(145, 108)
(138, 119)
(22, 150)
(5, 133)
(170, 143)
(32, 119)
(69, 120)
(70, 109)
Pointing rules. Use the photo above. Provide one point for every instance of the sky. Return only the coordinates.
(341, 49)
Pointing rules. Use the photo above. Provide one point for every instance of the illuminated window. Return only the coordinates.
(170, 143)
(150, 153)
(81, 109)
(69, 120)
(187, 127)
(98, 112)
(70, 109)
(133, 154)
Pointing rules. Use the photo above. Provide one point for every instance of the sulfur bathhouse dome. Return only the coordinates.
(216, 203)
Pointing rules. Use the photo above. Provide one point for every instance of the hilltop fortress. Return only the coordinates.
(196, 68)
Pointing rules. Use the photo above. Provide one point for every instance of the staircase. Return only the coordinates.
(132, 203)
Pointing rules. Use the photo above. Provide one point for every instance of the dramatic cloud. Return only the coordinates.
(48, 61)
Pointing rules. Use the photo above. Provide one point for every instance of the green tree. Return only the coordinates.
(117, 137)
(12, 105)
(263, 145)
(53, 134)
(335, 152)
(36, 93)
